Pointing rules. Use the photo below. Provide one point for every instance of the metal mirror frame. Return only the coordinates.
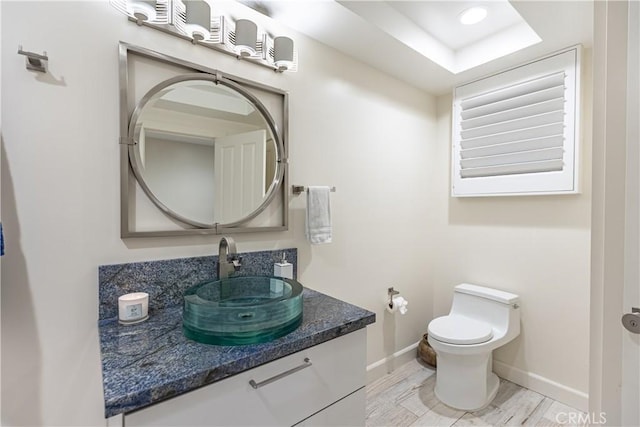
(130, 162)
(136, 161)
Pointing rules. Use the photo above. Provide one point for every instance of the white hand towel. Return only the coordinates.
(318, 228)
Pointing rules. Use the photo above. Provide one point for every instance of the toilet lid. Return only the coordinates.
(460, 330)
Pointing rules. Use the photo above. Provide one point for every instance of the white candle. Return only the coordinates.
(133, 308)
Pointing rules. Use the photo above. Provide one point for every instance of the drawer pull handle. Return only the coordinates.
(306, 364)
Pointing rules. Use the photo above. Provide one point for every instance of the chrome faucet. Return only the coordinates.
(228, 259)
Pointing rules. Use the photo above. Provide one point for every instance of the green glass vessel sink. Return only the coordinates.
(242, 310)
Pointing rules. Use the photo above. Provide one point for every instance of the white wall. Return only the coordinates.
(181, 175)
(350, 126)
(537, 247)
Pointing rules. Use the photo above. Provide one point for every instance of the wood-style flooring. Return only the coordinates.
(405, 398)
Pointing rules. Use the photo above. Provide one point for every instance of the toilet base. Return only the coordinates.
(466, 382)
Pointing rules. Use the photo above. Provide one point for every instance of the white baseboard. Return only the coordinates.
(390, 363)
(567, 395)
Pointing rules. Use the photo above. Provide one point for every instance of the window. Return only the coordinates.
(516, 132)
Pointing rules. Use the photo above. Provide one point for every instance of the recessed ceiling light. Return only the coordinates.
(473, 15)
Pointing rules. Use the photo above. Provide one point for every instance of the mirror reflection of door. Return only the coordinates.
(239, 174)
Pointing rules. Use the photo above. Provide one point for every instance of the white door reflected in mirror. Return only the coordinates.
(239, 174)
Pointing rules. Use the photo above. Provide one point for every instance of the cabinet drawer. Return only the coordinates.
(349, 411)
(337, 368)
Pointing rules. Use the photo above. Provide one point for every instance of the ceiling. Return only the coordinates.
(439, 19)
(424, 44)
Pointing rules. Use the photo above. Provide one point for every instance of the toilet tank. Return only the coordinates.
(498, 308)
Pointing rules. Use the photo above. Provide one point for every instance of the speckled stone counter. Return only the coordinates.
(146, 363)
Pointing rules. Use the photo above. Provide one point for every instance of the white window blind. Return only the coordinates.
(516, 132)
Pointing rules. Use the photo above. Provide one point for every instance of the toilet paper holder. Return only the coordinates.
(391, 293)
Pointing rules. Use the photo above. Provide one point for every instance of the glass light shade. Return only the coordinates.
(283, 53)
(473, 15)
(143, 10)
(246, 37)
(198, 22)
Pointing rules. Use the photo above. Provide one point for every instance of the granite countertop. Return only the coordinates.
(152, 361)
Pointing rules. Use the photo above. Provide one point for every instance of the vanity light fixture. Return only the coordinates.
(473, 15)
(246, 37)
(192, 20)
(198, 20)
(144, 10)
(283, 53)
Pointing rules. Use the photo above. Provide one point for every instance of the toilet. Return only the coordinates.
(481, 319)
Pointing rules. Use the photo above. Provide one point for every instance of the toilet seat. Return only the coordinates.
(460, 330)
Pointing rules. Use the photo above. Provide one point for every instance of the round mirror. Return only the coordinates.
(206, 151)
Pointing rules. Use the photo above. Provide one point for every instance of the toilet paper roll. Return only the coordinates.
(398, 304)
(403, 309)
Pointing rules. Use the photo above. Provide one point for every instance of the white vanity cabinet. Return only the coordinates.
(321, 385)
